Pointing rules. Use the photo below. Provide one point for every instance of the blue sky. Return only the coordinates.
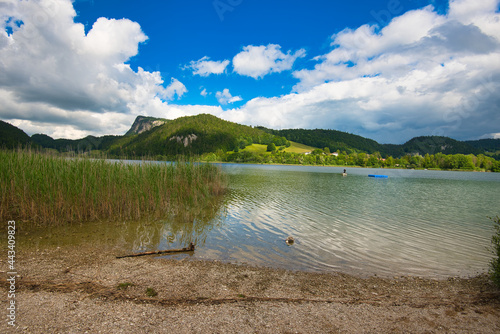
(387, 70)
(183, 31)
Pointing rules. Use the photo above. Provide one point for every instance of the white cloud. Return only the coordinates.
(466, 10)
(225, 97)
(258, 61)
(110, 38)
(204, 66)
(431, 73)
(204, 92)
(54, 77)
(175, 88)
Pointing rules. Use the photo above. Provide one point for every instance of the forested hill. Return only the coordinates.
(338, 141)
(12, 137)
(333, 139)
(488, 145)
(198, 134)
(431, 145)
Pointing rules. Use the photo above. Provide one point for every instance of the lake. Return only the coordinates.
(415, 222)
(428, 223)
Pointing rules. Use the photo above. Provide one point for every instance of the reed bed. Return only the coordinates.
(48, 190)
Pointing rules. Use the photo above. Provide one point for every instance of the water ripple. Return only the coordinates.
(413, 223)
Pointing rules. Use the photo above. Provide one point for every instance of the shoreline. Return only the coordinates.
(211, 296)
(341, 166)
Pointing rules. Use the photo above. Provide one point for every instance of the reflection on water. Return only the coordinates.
(189, 225)
(428, 223)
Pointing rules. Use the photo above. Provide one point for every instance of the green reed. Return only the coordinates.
(48, 190)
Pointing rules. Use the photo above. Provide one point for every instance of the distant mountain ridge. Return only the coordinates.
(489, 145)
(85, 144)
(342, 141)
(206, 133)
(434, 144)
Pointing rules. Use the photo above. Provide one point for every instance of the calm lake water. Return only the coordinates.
(425, 223)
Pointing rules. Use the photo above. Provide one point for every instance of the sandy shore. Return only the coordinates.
(61, 291)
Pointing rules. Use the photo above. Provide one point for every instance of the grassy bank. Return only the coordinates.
(47, 190)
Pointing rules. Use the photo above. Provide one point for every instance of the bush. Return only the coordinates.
(495, 262)
(271, 147)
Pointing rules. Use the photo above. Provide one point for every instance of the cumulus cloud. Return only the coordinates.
(431, 73)
(175, 88)
(204, 66)
(225, 97)
(258, 61)
(55, 76)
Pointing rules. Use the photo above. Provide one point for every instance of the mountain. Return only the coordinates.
(143, 124)
(12, 137)
(198, 134)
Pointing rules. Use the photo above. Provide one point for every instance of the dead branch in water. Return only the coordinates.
(185, 249)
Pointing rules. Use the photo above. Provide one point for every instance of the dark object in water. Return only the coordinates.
(185, 249)
(379, 176)
(290, 240)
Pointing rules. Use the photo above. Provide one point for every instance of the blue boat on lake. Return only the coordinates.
(378, 176)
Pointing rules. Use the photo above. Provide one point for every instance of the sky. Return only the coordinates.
(388, 70)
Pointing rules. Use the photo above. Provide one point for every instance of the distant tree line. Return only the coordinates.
(468, 162)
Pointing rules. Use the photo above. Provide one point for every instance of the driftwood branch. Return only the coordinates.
(185, 249)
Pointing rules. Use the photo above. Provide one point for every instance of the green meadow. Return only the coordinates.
(294, 148)
(299, 148)
(43, 189)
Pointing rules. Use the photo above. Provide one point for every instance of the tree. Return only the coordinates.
(373, 161)
(361, 159)
(495, 167)
(271, 147)
(389, 161)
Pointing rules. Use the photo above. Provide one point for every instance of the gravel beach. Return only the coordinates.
(86, 291)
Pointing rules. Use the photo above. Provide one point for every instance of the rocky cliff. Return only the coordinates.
(143, 124)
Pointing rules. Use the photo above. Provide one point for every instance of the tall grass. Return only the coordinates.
(49, 190)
